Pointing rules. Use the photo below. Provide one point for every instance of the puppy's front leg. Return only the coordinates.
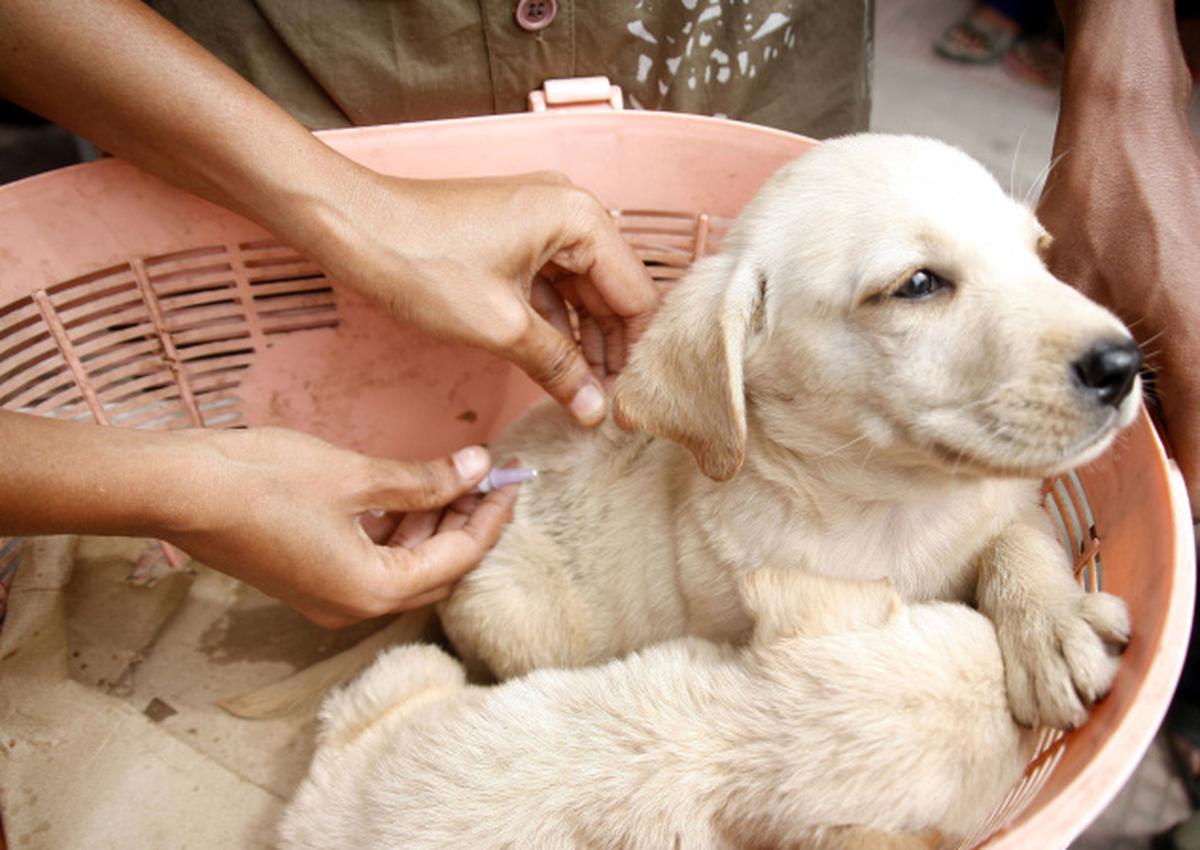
(1052, 633)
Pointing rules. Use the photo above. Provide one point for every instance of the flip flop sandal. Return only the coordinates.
(1036, 61)
(993, 42)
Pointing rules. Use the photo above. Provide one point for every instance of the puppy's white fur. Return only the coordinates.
(849, 721)
(870, 435)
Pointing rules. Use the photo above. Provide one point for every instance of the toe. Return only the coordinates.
(1092, 667)
(1108, 615)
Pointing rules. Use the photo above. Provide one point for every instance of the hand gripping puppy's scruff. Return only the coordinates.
(849, 722)
(871, 377)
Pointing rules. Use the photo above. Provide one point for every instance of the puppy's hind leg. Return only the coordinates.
(399, 676)
(796, 602)
(518, 611)
(866, 838)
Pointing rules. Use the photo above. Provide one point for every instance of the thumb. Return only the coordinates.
(555, 362)
(407, 486)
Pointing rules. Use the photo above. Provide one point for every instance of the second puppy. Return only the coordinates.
(849, 722)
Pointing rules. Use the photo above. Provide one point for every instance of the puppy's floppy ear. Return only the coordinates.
(684, 378)
(797, 603)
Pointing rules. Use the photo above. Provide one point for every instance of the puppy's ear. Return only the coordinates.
(684, 378)
(797, 603)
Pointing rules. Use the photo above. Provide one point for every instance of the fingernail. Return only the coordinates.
(471, 462)
(588, 404)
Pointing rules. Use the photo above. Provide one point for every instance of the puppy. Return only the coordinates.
(870, 376)
(849, 721)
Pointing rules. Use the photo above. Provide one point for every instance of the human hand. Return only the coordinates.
(492, 263)
(280, 510)
(1123, 202)
(499, 263)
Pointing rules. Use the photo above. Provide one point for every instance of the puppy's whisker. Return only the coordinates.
(1151, 339)
(1039, 183)
(1012, 169)
(1151, 361)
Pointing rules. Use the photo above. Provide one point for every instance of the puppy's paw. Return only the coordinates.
(1060, 656)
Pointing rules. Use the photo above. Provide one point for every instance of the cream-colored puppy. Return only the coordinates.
(871, 376)
(849, 721)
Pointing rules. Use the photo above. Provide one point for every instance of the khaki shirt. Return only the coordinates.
(799, 65)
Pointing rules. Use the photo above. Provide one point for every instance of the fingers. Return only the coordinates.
(591, 342)
(458, 514)
(430, 597)
(419, 526)
(608, 281)
(598, 251)
(445, 556)
(550, 306)
(415, 528)
(377, 528)
(426, 554)
(615, 348)
(553, 360)
(402, 486)
(607, 331)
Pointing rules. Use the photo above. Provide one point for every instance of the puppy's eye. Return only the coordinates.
(923, 284)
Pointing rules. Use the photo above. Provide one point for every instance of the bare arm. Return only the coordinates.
(119, 74)
(273, 507)
(465, 260)
(461, 259)
(1124, 198)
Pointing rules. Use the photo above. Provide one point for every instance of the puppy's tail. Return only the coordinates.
(304, 690)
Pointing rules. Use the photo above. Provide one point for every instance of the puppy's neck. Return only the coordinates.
(827, 469)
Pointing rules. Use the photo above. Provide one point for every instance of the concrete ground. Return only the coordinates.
(1008, 125)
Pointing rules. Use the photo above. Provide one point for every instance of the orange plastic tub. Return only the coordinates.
(127, 302)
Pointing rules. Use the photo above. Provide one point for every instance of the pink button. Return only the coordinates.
(534, 15)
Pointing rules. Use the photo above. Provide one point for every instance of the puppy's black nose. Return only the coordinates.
(1107, 369)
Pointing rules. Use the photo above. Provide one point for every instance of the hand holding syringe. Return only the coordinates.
(498, 477)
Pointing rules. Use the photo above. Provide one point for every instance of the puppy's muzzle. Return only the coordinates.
(1106, 370)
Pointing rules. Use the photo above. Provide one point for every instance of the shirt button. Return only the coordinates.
(534, 15)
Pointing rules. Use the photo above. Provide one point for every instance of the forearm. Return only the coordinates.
(1124, 195)
(457, 258)
(68, 477)
(1123, 51)
(123, 77)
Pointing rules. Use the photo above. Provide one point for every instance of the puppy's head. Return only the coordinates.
(786, 603)
(883, 292)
